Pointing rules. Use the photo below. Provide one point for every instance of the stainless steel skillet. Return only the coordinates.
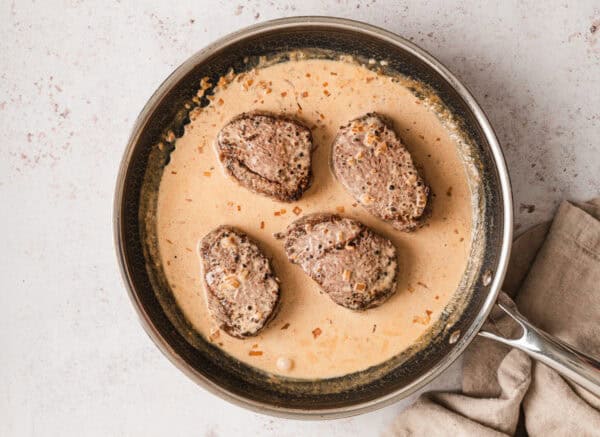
(163, 118)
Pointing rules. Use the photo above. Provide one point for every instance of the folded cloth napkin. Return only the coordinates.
(554, 278)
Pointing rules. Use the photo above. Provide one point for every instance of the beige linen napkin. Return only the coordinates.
(554, 278)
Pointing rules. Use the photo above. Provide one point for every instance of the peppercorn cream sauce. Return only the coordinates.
(315, 337)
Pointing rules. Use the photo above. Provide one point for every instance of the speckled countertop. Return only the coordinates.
(74, 76)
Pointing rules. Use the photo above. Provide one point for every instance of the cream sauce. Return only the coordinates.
(317, 338)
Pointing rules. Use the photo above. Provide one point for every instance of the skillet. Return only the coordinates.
(162, 120)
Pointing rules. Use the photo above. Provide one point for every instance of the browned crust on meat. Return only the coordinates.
(356, 267)
(267, 154)
(242, 290)
(370, 161)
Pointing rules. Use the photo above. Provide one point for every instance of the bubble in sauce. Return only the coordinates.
(284, 364)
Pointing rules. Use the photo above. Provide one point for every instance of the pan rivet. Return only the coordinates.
(454, 337)
(487, 278)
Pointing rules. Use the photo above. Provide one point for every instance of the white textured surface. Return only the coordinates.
(74, 75)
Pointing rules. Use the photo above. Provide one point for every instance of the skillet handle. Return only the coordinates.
(578, 367)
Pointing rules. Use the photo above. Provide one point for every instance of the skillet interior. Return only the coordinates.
(136, 203)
